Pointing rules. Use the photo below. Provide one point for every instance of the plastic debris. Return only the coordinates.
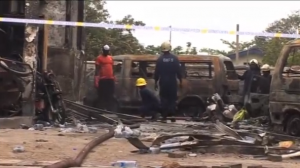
(18, 149)
(125, 164)
(193, 154)
(125, 132)
(39, 127)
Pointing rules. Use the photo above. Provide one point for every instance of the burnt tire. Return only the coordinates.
(293, 125)
(60, 115)
(193, 111)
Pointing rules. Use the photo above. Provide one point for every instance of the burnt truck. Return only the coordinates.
(202, 77)
(284, 98)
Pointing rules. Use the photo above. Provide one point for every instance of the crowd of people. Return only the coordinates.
(167, 72)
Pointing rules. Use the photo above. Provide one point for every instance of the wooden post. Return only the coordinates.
(45, 47)
(237, 49)
(30, 55)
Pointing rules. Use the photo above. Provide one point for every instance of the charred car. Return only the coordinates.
(203, 76)
(285, 90)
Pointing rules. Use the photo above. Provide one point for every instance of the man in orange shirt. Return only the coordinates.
(104, 78)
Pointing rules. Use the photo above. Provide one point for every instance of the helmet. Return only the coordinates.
(106, 47)
(265, 67)
(253, 61)
(141, 82)
(165, 46)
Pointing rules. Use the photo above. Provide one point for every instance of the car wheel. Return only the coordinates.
(192, 111)
(293, 125)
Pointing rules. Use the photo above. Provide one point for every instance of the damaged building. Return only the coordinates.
(42, 47)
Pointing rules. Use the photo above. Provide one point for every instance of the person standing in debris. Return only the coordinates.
(265, 79)
(104, 78)
(166, 70)
(250, 78)
(150, 104)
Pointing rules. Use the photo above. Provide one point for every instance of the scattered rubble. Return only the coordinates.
(18, 149)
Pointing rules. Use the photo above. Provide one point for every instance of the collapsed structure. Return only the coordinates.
(42, 47)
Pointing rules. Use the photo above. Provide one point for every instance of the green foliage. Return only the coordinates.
(123, 41)
(120, 41)
(273, 46)
(231, 45)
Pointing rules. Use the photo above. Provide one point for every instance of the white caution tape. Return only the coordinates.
(155, 28)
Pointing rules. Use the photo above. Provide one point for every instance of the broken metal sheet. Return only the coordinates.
(162, 138)
(137, 143)
(227, 130)
(239, 149)
(101, 111)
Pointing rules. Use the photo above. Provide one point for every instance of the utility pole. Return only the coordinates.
(237, 41)
(170, 37)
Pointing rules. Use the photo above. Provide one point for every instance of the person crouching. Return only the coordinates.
(150, 104)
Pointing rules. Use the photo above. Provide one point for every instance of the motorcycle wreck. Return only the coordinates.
(15, 77)
(49, 102)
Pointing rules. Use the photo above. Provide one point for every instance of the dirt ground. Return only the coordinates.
(59, 146)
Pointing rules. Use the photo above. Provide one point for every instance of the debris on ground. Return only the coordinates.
(18, 149)
(182, 139)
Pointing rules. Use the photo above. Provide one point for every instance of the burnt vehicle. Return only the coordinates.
(12, 84)
(285, 90)
(203, 76)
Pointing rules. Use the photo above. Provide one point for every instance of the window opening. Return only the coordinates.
(143, 69)
(197, 70)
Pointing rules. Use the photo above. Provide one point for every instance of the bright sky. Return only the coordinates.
(252, 16)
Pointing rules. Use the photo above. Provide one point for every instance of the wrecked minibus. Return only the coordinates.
(203, 76)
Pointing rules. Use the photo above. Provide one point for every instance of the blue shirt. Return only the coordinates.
(148, 98)
(167, 69)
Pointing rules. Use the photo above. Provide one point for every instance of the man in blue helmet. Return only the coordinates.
(167, 71)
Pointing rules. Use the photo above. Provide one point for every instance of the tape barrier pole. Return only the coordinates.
(155, 28)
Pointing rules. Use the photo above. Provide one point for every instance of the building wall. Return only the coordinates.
(62, 42)
(242, 60)
(56, 10)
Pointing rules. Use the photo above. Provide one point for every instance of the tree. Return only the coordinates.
(152, 50)
(120, 41)
(232, 47)
(94, 12)
(178, 50)
(273, 46)
(188, 47)
(194, 51)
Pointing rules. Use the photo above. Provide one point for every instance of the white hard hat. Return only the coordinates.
(265, 67)
(253, 61)
(106, 47)
(166, 46)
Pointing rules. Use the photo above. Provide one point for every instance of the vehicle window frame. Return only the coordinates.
(211, 70)
(233, 73)
(122, 67)
(146, 77)
(285, 65)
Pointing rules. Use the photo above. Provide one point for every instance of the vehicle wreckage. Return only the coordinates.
(202, 77)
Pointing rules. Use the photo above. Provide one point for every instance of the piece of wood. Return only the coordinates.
(279, 158)
(177, 155)
(42, 167)
(9, 163)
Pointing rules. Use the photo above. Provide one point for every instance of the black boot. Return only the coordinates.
(154, 117)
(164, 119)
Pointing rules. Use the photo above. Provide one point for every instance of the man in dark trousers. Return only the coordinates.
(166, 71)
(104, 78)
(265, 79)
(250, 78)
(150, 104)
